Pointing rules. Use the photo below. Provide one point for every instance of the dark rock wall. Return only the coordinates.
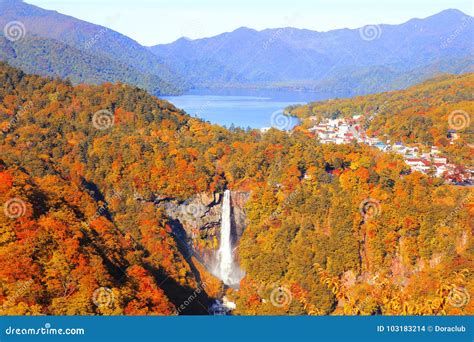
(196, 222)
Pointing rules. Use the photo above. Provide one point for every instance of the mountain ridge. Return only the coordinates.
(247, 57)
(243, 28)
(90, 39)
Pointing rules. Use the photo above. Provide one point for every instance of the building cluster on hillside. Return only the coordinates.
(346, 130)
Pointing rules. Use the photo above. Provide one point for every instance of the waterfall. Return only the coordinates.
(225, 249)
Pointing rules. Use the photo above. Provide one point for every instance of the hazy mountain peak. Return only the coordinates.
(450, 12)
(244, 29)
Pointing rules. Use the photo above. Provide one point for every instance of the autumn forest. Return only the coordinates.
(333, 229)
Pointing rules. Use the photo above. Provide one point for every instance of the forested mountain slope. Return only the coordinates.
(422, 114)
(82, 51)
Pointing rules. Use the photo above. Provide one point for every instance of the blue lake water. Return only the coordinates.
(243, 108)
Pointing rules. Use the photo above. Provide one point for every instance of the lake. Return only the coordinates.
(243, 108)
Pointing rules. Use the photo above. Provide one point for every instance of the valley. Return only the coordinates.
(257, 172)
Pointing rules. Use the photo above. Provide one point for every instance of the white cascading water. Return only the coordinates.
(225, 249)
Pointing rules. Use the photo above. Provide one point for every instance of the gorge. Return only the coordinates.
(210, 227)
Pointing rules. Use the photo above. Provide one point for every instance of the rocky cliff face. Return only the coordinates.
(196, 222)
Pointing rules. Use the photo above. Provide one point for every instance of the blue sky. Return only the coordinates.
(162, 21)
